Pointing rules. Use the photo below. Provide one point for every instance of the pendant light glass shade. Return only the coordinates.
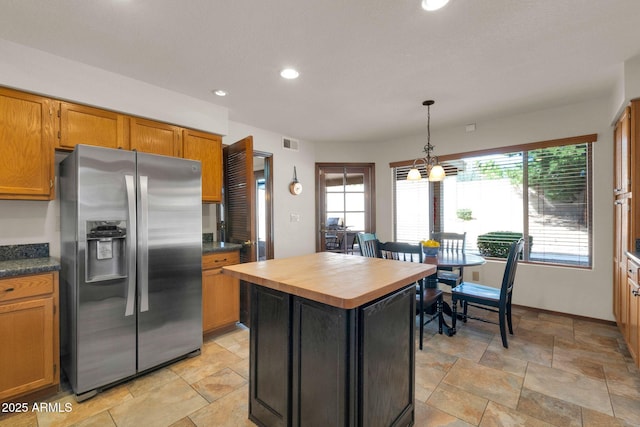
(414, 175)
(437, 173)
(431, 5)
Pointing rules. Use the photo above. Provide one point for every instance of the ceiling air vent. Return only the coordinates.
(290, 144)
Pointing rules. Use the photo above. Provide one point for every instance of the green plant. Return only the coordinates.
(464, 214)
(496, 243)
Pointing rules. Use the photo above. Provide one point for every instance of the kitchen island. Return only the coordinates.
(331, 340)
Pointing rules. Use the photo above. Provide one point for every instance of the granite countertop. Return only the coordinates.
(635, 256)
(18, 260)
(213, 247)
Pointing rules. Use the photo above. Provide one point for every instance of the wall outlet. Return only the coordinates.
(294, 217)
(475, 276)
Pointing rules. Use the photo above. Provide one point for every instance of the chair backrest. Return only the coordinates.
(510, 269)
(370, 248)
(363, 237)
(450, 241)
(400, 251)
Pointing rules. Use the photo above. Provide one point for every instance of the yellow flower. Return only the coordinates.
(430, 243)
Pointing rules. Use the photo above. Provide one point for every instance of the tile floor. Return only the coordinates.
(558, 371)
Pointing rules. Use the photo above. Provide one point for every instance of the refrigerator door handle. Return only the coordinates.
(143, 244)
(131, 248)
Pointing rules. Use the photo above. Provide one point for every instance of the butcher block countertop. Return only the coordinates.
(339, 280)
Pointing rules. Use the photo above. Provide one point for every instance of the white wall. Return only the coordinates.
(35, 71)
(568, 290)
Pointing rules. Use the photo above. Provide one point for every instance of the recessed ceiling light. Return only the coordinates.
(289, 73)
(431, 5)
(220, 92)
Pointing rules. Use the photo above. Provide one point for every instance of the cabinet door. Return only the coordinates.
(27, 351)
(633, 325)
(92, 126)
(220, 300)
(152, 137)
(27, 132)
(207, 148)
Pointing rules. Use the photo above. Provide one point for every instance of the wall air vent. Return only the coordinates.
(290, 144)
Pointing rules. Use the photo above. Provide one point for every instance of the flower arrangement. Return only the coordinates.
(430, 247)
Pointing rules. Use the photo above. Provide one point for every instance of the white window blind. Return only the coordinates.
(411, 207)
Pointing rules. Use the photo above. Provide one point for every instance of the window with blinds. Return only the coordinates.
(410, 207)
(542, 193)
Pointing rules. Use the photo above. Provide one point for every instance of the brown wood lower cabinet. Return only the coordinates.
(220, 292)
(29, 334)
(631, 305)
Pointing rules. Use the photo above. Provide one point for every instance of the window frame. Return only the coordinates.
(436, 188)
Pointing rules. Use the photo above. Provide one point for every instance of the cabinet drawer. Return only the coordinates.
(632, 270)
(25, 286)
(220, 259)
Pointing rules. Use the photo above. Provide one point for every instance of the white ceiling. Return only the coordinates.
(365, 65)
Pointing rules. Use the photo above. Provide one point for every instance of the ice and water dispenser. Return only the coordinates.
(106, 250)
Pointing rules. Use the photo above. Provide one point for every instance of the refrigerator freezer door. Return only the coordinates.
(105, 337)
(169, 259)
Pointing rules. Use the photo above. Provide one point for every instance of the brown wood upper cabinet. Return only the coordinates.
(28, 125)
(149, 136)
(80, 124)
(207, 148)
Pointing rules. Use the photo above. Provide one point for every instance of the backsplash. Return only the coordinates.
(207, 237)
(33, 250)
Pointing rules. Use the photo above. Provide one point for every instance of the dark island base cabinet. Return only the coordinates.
(313, 364)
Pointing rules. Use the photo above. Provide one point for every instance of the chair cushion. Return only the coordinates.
(476, 290)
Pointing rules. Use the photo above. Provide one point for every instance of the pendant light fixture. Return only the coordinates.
(435, 172)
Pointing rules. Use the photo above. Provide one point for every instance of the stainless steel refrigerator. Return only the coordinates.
(131, 255)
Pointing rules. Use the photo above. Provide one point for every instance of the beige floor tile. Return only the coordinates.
(103, 419)
(627, 409)
(555, 411)
(568, 386)
(214, 359)
(151, 381)
(426, 380)
(452, 400)
(184, 422)
(435, 359)
(231, 410)
(504, 362)
(556, 318)
(500, 416)
(485, 382)
(428, 416)
(622, 383)
(219, 384)
(163, 406)
(83, 410)
(464, 345)
(241, 368)
(547, 327)
(19, 419)
(591, 418)
(525, 345)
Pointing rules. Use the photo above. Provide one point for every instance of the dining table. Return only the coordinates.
(450, 259)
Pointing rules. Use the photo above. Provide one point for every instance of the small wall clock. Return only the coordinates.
(295, 187)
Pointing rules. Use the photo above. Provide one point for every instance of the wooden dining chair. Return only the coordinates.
(363, 237)
(370, 248)
(450, 242)
(497, 300)
(428, 300)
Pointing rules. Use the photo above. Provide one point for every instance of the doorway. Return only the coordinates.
(263, 172)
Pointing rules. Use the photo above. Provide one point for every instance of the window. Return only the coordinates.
(410, 207)
(540, 191)
(345, 204)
